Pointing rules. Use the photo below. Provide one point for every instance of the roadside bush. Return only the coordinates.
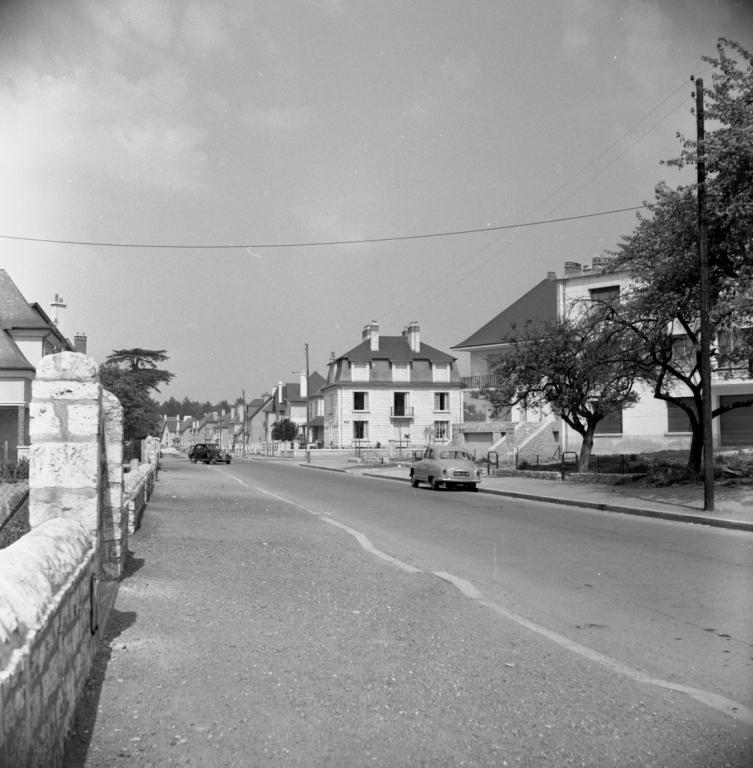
(14, 471)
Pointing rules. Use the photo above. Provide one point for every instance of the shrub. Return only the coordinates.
(14, 471)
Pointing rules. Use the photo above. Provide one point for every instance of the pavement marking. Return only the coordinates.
(361, 538)
(715, 701)
(720, 703)
(232, 477)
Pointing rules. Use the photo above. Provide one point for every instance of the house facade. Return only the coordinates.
(27, 334)
(391, 391)
(649, 425)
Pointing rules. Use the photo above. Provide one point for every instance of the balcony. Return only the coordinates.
(485, 381)
(401, 413)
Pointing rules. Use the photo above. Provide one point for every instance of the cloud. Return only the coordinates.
(205, 27)
(287, 118)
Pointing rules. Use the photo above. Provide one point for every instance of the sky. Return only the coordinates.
(148, 133)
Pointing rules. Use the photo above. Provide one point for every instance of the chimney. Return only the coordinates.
(304, 386)
(572, 268)
(551, 275)
(413, 336)
(601, 263)
(279, 392)
(371, 332)
(79, 343)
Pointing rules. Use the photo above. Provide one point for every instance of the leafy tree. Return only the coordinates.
(141, 416)
(661, 313)
(574, 366)
(142, 365)
(284, 429)
(130, 374)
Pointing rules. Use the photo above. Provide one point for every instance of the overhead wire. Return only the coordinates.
(469, 272)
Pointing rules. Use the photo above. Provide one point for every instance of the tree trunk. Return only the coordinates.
(695, 457)
(585, 451)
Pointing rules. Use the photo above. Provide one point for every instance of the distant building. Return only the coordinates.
(27, 333)
(393, 391)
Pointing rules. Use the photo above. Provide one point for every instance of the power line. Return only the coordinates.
(230, 246)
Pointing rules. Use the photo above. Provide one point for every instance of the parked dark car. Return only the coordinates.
(209, 454)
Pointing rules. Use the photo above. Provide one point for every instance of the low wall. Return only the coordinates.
(58, 582)
(48, 623)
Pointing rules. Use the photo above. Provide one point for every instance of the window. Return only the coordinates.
(359, 371)
(400, 404)
(441, 371)
(609, 294)
(360, 430)
(441, 401)
(441, 430)
(611, 425)
(677, 419)
(400, 371)
(360, 401)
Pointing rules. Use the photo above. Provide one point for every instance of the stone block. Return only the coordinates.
(65, 390)
(70, 366)
(64, 465)
(45, 424)
(84, 419)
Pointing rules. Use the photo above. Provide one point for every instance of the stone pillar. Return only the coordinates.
(114, 518)
(65, 469)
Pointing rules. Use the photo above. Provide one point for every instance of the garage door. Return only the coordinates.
(736, 426)
(478, 442)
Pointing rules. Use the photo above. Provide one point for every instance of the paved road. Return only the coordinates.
(264, 623)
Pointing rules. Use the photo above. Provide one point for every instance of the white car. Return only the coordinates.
(443, 465)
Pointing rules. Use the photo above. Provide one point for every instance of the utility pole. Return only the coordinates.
(308, 436)
(243, 421)
(703, 266)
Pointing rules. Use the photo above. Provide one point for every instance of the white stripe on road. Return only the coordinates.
(714, 701)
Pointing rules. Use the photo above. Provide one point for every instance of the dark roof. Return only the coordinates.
(316, 382)
(11, 357)
(396, 349)
(528, 314)
(15, 311)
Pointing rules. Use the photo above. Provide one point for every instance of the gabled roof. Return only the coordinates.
(11, 356)
(15, 311)
(397, 350)
(528, 314)
(316, 382)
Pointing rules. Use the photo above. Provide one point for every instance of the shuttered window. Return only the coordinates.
(736, 426)
(611, 425)
(677, 419)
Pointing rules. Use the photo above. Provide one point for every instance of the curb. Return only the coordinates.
(680, 517)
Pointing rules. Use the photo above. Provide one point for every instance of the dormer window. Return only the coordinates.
(359, 371)
(400, 371)
(440, 371)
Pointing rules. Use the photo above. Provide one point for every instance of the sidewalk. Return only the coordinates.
(682, 503)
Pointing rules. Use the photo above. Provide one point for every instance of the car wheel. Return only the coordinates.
(434, 484)
(414, 481)
(474, 487)
(228, 460)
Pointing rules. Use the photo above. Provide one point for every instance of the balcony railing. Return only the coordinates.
(401, 413)
(484, 381)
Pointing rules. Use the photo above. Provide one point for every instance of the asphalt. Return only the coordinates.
(733, 504)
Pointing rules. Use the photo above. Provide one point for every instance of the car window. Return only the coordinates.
(454, 455)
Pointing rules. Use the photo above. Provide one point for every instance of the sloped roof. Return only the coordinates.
(316, 382)
(395, 349)
(15, 311)
(528, 314)
(11, 356)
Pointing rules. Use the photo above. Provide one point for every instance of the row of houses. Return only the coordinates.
(398, 392)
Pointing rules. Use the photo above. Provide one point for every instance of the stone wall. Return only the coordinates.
(58, 582)
(48, 637)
